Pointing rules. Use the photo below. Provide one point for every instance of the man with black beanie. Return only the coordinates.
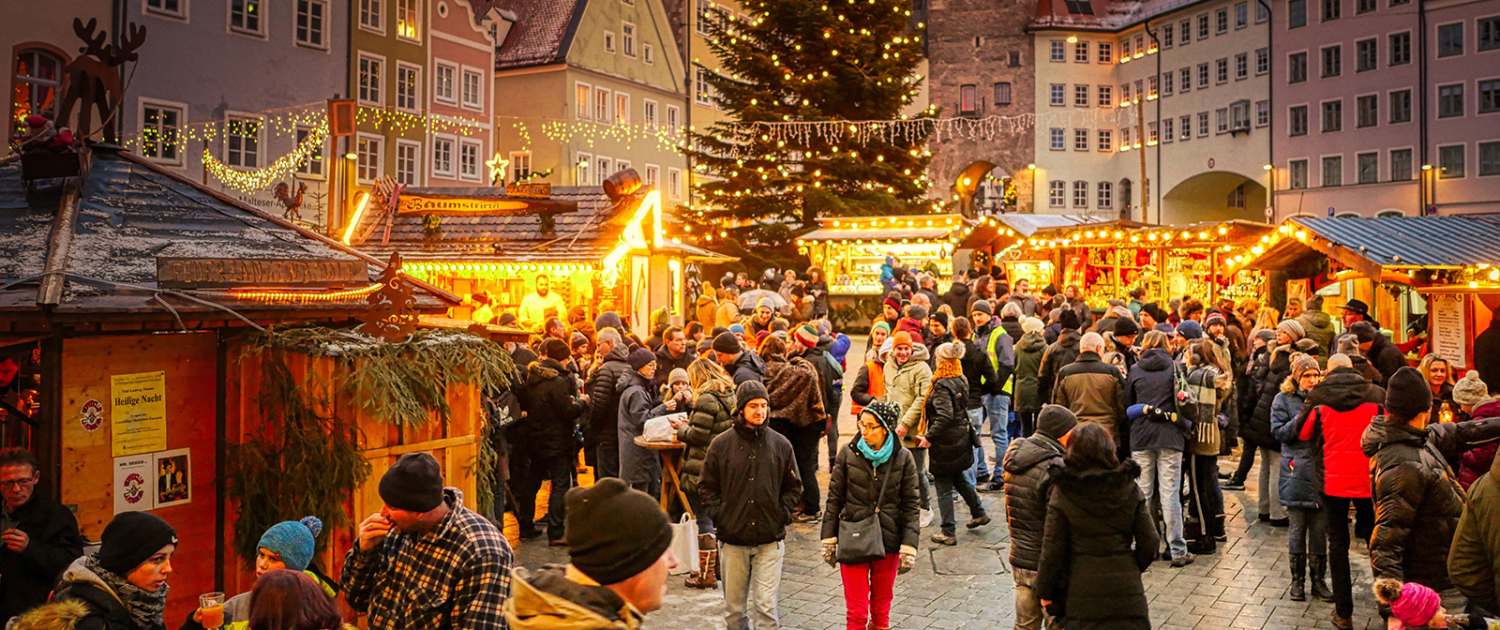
(1418, 501)
(425, 541)
(749, 486)
(1378, 349)
(544, 439)
(619, 546)
(1027, 485)
(742, 365)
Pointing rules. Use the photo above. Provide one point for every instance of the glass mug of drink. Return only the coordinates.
(211, 610)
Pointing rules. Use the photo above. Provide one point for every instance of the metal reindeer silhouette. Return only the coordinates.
(94, 79)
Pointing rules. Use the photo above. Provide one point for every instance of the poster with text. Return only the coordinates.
(1446, 328)
(138, 413)
(174, 478)
(132, 488)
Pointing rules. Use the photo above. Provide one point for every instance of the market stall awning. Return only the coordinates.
(838, 234)
(1376, 247)
(1005, 228)
(888, 229)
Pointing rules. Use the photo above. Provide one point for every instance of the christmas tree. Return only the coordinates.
(844, 63)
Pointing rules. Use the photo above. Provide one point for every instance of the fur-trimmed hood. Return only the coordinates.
(63, 615)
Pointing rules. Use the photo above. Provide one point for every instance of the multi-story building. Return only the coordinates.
(981, 64)
(1386, 107)
(461, 97)
(1170, 93)
(586, 89)
(702, 112)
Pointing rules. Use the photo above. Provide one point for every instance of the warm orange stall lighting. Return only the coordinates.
(359, 210)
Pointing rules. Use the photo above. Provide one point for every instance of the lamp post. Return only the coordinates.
(1270, 194)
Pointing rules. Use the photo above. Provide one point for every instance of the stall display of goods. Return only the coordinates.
(854, 268)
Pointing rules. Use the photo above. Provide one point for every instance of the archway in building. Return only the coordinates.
(1213, 196)
(983, 187)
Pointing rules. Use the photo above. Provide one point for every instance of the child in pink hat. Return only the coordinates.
(1416, 606)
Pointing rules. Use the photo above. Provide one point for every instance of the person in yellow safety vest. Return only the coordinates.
(999, 347)
(286, 545)
(869, 386)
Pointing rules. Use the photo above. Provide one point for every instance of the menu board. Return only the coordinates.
(1446, 328)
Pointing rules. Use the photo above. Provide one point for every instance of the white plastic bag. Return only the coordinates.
(685, 545)
(660, 429)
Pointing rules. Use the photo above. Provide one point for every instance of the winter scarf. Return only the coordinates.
(146, 608)
(877, 457)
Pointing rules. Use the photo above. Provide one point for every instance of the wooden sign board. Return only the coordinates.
(341, 118)
(224, 273)
(461, 207)
(537, 190)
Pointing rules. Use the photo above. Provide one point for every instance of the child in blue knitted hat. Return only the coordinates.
(286, 545)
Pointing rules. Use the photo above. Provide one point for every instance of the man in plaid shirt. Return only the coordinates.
(425, 561)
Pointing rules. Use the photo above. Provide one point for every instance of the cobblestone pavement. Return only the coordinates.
(1244, 585)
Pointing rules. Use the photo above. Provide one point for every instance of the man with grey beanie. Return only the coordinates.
(425, 541)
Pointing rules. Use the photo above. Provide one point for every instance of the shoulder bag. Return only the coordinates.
(862, 541)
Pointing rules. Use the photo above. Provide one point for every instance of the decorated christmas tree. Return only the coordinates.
(850, 66)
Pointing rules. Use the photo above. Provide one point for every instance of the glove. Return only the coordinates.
(908, 559)
(830, 551)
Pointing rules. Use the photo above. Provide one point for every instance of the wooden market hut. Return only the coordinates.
(1445, 269)
(599, 252)
(128, 295)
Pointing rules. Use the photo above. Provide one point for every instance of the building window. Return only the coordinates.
(648, 54)
(1221, 71)
(1364, 6)
(1221, 21)
(1055, 140)
(1332, 10)
(1400, 48)
(1002, 93)
(371, 16)
(1152, 86)
(245, 16)
(1489, 158)
(1185, 32)
(581, 169)
(1401, 165)
(1451, 162)
(622, 109)
(1151, 134)
(648, 112)
(603, 168)
(443, 80)
(367, 159)
(1202, 124)
(1056, 194)
(242, 143)
(38, 77)
(312, 165)
(1400, 106)
(601, 105)
(1489, 38)
(1203, 27)
(968, 100)
(674, 183)
(1296, 67)
(1080, 194)
(1081, 52)
(406, 162)
(1262, 13)
(1365, 55)
(1296, 14)
(1297, 121)
(468, 160)
(1140, 45)
(1186, 82)
(1297, 173)
(609, 41)
(1221, 119)
(473, 89)
(1236, 197)
(1185, 128)
(705, 15)
(652, 177)
(1262, 113)
(1014, 58)
(1058, 52)
(1367, 168)
(1106, 52)
(1106, 195)
(1241, 66)
(1124, 93)
(1241, 15)
(1451, 39)
(627, 39)
(1168, 130)
(581, 101)
(1080, 139)
(1080, 96)
(1125, 139)
(1106, 96)
(1333, 61)
(370, 79)
(1106, 140)
(1489, 96)
(1262, 61)
(1056, 94)
(311, 18)
(1367, 111)
(1202, 75)
(409, 19)
(159, 132)
(1333, 170)
(1450, 100)
(1167, 84)
(173, 8)
(1167, 36)
(673, 116)
(442, 156)
(1333, 116)
(703, 91)
(407, 80)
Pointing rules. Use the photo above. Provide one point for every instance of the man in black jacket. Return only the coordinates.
(1027, 485)
(1382, 353)
(544, 440)
(672, 355)
(815, 348)
(741, 364)
(749, 485)
(604, 401)
(38, 537)
(979, 371)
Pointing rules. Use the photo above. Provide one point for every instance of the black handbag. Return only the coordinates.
(862, 541)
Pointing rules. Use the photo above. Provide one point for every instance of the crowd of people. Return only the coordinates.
(1103, 429)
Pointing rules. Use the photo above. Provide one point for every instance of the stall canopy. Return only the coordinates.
(1384, 248)
(134, 241)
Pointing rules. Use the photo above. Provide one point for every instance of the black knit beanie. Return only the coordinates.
(727, 343)
(614, 532)
(414, 483)
(1125, 326)
(640, 357)
(1407, 394)
(131, 539)
(748, 391)
(556, 349)
(1055, 421)
(1068, 319)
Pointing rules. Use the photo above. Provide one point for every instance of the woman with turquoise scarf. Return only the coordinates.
(873, 476)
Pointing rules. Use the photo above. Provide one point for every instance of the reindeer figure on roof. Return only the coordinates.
(93, 78)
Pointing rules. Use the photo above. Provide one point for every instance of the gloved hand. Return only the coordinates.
(908, 559)
(831, 551)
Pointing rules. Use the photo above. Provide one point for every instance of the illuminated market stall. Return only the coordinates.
(851, 250)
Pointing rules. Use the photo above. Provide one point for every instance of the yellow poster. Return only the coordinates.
(138, 414)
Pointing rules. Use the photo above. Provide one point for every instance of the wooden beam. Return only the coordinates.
(430, 445)
(60, 241)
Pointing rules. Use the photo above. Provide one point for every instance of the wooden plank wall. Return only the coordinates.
(87, 460)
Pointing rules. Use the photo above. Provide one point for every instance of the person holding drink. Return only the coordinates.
(288, 545)
(123, 586)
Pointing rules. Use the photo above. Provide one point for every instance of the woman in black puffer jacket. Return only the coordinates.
(713, 413)
(950, 452)
(1258, 434)
(1099, 538)
(874, 471)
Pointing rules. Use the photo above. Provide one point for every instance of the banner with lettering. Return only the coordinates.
(138, 413)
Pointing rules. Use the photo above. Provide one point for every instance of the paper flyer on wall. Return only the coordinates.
(132, 488)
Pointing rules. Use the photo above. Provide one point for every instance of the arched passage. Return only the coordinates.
(1214, 196)
(984, 187)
